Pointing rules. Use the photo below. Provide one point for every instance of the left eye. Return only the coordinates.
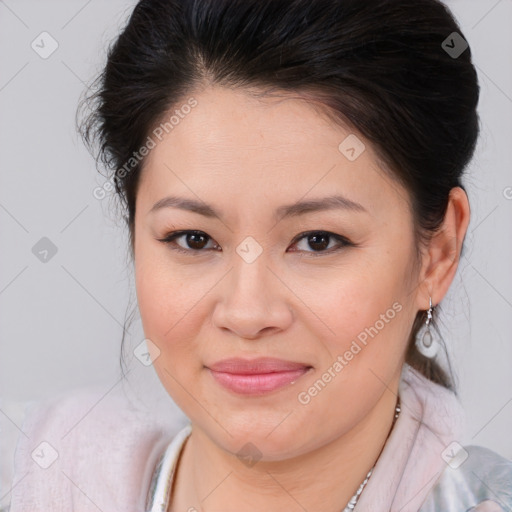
(319, 240)
(196, 241)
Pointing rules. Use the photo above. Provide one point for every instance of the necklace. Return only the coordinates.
(158, 496)
(352, 503)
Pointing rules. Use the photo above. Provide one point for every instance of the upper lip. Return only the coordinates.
(239, 366)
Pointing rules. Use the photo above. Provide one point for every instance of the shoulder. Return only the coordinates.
(476, 479)
(86, 448)
(487, 463)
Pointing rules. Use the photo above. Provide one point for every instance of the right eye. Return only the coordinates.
(195, 240)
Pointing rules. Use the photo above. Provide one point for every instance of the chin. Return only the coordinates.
(258, 439)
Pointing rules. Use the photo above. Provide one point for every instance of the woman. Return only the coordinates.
(292, 176)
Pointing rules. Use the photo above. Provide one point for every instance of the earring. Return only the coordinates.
(425, 343)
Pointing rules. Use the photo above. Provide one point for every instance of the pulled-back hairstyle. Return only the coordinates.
(378, 66)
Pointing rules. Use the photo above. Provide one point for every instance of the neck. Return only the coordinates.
(210, 479)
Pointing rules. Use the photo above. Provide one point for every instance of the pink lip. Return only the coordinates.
(256, 376)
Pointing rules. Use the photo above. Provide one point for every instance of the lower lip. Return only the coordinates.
(257, 384)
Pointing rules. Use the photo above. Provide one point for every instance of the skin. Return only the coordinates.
(246, 157)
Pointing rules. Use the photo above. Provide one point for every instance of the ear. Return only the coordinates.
(441, 258)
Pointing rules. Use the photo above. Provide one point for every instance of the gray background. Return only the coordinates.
(61, 320)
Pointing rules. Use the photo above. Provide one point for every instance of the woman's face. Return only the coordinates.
(253, 283)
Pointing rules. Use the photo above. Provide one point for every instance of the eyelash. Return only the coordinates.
(169, 239)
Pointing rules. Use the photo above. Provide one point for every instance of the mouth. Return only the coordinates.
(256, 376)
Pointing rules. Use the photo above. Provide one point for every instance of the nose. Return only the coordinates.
(253, 301)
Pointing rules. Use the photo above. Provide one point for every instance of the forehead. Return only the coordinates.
(233, 146)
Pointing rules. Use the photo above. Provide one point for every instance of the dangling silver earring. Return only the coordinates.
(425, 343)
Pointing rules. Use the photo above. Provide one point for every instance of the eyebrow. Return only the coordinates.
(286, 211)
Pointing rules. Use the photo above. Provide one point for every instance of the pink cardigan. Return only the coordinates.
(100, 456)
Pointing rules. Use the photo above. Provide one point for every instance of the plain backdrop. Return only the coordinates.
(61, 319)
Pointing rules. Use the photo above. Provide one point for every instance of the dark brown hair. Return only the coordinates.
(380, 66)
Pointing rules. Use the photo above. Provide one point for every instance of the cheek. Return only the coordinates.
(367, 317)
(161, 297)
(173, 304)
(170, 321)
(163, 291)
(366, 307)
(168, 312)
(154, 292)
